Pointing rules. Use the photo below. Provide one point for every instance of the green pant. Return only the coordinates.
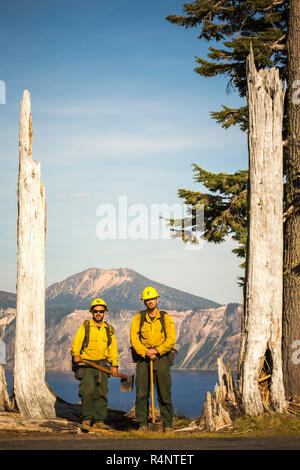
(93, 394)
(162, 382)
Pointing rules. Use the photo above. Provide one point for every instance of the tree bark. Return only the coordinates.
(222, 407)
(6, 404)
(291, 279)
(32, 395)
(260, 352)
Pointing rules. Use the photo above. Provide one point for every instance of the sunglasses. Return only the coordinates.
(99, 311)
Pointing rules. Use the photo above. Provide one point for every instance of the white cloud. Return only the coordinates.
(131, 145)
(135, 144)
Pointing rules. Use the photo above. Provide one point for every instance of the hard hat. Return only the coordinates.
(149, 293)
(98, 302)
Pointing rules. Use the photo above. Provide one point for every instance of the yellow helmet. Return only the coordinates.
(149, 293)
(98, 302)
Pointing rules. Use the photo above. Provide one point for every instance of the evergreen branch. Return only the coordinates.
(226, 184)
(274, 4)
(278, 47)
(236, 24)
(219, 54)
(231, 117)
(210, 69)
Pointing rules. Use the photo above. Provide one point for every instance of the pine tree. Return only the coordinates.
(273, 29)
(237, 23)
(225, 209)
(291, 278)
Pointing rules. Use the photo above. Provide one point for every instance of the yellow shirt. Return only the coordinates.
(98, 348)
(151, 334)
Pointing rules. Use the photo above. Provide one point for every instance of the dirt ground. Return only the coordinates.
(19, 433)
(11, 440)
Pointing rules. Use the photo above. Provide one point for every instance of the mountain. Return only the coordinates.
(7, 300)
(204, 328)
(121, 288)
(205, 335)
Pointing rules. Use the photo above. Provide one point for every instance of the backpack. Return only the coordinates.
(79, 370)
(109, 331)
(171, 354)
(162, 321)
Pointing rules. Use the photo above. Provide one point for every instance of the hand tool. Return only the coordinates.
(127, 381)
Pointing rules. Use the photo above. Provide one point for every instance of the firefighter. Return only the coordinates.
(152, 337)
(100, 348)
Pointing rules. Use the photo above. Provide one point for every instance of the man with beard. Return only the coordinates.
(152, 337)
(96, 342)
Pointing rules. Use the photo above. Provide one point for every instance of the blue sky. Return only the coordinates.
(117, 110)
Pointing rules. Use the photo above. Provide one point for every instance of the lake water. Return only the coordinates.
(188, 390)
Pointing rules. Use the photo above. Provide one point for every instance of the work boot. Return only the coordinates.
(167, 428)
(101, 426)
(86, 425)
(143, 428)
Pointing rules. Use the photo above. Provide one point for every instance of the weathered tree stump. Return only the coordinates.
(261, 336)
(33, 396)
(223, 405)
(6, 403)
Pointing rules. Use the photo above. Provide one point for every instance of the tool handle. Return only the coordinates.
(103, 369)
(152, 391)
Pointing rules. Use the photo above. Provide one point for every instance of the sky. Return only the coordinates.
(118, 112)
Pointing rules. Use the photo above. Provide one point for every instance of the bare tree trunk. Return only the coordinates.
(261, 377)
(33, 397)
(6, 404)
(291, 279)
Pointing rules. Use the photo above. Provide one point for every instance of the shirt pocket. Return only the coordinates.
(97, 342)
(102, 343)
(145, 332)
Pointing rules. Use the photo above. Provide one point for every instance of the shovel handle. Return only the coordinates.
(103, 369)
(152, 391)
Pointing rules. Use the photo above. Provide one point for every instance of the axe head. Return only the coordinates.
(127, 383)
